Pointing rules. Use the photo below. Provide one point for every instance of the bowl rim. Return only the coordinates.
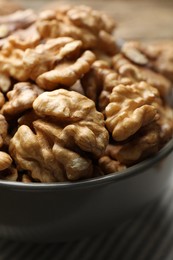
(138, 168)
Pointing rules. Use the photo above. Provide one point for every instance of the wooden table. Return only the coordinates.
(136, 19)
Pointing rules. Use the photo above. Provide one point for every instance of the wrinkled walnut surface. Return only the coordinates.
(21, 98)
(131, 107)
(75, 102)
(58, 150)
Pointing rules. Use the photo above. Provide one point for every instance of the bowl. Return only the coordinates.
(65, 211)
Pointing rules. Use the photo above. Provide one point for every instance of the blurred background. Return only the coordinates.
(136, 19)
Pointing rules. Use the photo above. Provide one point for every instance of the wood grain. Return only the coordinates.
(136, 19)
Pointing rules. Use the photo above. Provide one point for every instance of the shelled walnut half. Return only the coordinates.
(69, 133)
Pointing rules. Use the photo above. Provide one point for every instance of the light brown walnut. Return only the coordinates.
(21, 98)
(83, 124)
(141, 73)
(84, 16)
(158, 55)
(32, 152)
(79, 22)
(11, 63)
(145, 144)
(51, 25)
(130, 108)
(3, 129)
(70, 129)
(66, 73)
(46, 55)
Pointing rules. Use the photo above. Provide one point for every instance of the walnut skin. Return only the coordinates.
(21, 98)
(130, 108)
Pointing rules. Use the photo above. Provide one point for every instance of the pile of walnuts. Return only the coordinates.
(74, 104)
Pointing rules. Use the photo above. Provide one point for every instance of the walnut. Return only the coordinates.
(157, 55)
(84, 16)
(133, 54)
(166, 124)
(85, 125)
(130, 108)
(5, 161)
(138, 73)
(145, 144)
(70, 129)
(21, 98)
(11, 63)
(164, 61)
(46, 55)
(33, 153)
(17, 20)
(75, 166)
(66, 73)
(3, 129)
(51, 26)
(79, 22)
(109, 165)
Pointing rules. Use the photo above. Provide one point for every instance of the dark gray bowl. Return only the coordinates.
(65, 211)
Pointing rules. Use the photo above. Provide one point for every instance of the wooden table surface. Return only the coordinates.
(136, 19)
